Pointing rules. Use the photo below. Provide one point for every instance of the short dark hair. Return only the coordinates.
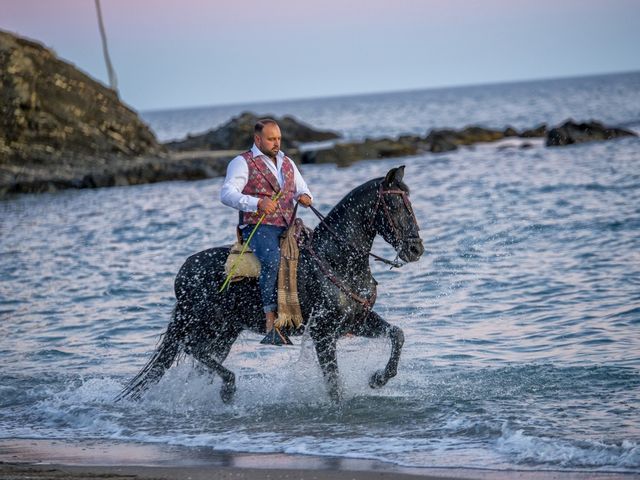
(263, 122)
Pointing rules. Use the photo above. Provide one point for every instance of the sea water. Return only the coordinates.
(522, 319)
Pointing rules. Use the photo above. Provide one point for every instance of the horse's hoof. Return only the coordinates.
(227, 392)
(378, 379)
(335, 394)
(335, 397)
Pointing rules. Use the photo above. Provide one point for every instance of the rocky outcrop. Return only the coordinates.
(117, 171)
(347, 153)
(537, 132)
(51, 113)
(61, 129)
(237, 133)
(441, 141)
(570, 132)
(436, 141)
(448, 140)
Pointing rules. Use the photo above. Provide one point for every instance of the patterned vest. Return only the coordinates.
(263, 183)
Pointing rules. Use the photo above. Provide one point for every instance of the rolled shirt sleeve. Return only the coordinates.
(231, 192)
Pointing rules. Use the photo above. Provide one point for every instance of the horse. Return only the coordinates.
(336, 289)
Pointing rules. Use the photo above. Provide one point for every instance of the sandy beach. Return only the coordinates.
(97, 460)
(42, 472)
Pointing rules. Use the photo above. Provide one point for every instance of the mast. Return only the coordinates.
(113, 81)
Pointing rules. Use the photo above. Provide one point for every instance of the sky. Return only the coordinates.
(188, 53)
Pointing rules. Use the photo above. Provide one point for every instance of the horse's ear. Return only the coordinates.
(393, 175)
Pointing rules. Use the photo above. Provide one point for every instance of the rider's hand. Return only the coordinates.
(266, 205)
(305, 200)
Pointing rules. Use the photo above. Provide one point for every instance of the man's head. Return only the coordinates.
(267, 137)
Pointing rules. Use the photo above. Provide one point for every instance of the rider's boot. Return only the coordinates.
(274, 335)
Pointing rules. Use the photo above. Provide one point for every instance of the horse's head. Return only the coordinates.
(394, 218)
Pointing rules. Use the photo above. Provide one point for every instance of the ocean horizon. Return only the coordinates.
(243, 104)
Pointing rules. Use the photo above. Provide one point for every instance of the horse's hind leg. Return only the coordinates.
(376, 326)
(212, 356)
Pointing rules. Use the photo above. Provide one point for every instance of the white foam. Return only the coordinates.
(285, 409)
(531, 450)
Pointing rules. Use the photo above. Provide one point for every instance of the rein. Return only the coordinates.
(393, 263)
(367, 303)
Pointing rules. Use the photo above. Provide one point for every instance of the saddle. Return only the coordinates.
(241, 265)
(247, 265)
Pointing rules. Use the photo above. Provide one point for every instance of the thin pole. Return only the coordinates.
(113, 81)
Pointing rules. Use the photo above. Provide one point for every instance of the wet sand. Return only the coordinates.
(22, 472)
(98, 460)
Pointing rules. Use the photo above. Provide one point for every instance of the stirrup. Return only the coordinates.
(276, 337)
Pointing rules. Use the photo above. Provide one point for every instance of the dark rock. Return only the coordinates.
(570, 132)
(50, 111)
(447, 140)
(538, 132)
(299, 132)
(345, 154)
(473, 134)
(415, 139)
(237, 134)
(441, 141)
(510, 132)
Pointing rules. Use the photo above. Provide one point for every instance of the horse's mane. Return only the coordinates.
(346, 201)
(366, 186)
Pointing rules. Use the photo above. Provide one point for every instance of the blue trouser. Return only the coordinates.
(266, 246)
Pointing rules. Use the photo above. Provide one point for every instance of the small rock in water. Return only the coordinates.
(570, 132)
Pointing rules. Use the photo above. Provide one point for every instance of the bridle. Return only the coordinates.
(394, 228)
(381, 201)
(367, 303)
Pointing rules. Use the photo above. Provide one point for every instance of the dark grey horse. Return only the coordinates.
(335, 285)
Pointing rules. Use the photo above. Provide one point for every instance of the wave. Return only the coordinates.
(430, 411)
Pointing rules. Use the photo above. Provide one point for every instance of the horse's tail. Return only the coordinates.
(161, 360)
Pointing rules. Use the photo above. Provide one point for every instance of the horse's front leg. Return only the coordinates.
(326, 350)
(375, 326)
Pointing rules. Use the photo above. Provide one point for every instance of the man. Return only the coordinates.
(253, 181)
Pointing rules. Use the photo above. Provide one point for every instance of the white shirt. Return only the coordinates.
(238, 176)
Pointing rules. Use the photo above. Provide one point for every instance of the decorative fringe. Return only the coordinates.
(289, 313)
